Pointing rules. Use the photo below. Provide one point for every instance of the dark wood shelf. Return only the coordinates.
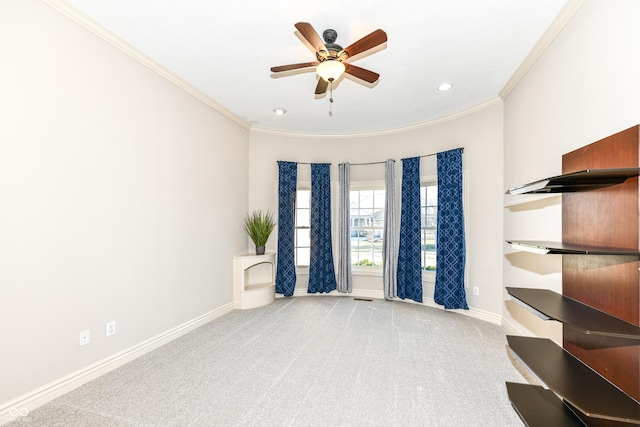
(574, 381)
(586, 180)
(551, 305)
(540, 407)
(545, 247)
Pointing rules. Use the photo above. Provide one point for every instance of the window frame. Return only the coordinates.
(364, 270)
(428, 276)
(301, 186)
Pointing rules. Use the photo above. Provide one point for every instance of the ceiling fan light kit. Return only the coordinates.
(330, 69)
(331, 57)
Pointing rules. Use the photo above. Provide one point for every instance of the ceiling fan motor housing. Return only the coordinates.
(330, 37)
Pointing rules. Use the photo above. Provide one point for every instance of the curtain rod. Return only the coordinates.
(383, 162)
(433, 154)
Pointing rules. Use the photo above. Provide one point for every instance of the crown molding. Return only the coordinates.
(565, 15)
(550, 34)
(401, 129)
(73, 14)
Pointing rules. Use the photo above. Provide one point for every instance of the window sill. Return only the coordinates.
(427, 276)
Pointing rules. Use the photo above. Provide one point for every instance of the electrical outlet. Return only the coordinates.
(110, 328)
(476, 290)
(84, 338)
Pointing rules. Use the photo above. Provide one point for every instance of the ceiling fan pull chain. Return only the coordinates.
(331, 90)
(331, 97)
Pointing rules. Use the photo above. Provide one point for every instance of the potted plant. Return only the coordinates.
(259, 226)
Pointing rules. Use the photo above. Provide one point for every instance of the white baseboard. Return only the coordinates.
(38, 397)
(487, 316)
(476, 313)
(508, 328)
(357, 293)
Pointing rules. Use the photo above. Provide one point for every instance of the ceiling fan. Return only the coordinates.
(331, 57)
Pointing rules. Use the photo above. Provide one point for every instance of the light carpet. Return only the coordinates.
(308, 361)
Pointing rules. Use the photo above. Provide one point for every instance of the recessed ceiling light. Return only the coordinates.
(279, 111)
(445, 86)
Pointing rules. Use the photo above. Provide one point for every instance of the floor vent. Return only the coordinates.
(362, 299)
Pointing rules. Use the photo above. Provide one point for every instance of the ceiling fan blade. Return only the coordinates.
(293, 66)
(361, 73)
(322, 86)
(311, 36)
(367, 42)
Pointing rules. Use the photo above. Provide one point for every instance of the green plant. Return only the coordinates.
(259, 226)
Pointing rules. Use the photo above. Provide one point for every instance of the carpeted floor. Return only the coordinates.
(308, 361)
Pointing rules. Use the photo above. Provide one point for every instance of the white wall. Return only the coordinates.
(121, 198)
(480, 133)
(582, 89)
(111, 207)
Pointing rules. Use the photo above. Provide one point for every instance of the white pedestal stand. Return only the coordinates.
(253, 280)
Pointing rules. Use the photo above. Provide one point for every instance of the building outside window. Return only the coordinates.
(366, 227)
(429, 224)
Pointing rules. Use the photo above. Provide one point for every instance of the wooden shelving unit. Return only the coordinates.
(586, 180)
(596, 373)
(540, 407)
(544, 247)
(575, 382)
(550, 305)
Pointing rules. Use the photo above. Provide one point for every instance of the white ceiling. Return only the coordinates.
(225, 49)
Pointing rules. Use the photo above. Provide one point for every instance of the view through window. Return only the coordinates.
(303, 227)
(429, 223)
(367, 226)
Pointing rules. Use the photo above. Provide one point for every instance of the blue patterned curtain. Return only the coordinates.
(450, 240)
(322, 276)
(409, 269)
(286, 266)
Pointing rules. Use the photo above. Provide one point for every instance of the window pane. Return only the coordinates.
(303, 256)
(429, 224)
(432, 195)
(303, 237)
(366, 199)
(303, 218)
(431, 216)
(367, 225)
(377, 250)
(303, 199)
(423, 217)
(303, 224)
(378, 199)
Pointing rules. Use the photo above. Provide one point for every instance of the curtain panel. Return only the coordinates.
(409, 274)
(322, 277)
(450, 241)
(389, 242)
(286, 266)
(345, 277)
